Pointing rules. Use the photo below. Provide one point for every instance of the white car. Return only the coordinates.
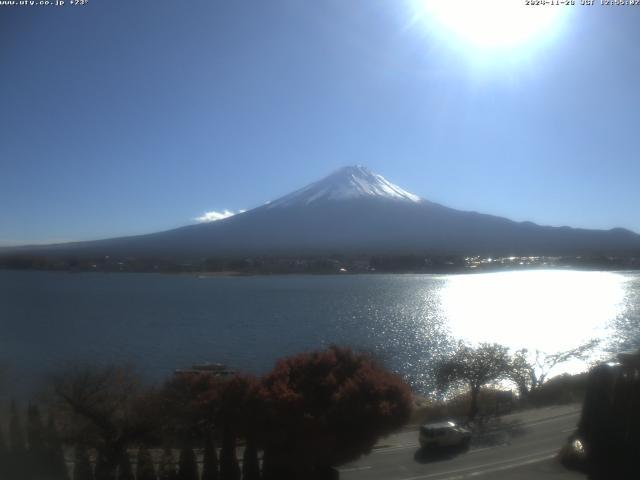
(444, 434)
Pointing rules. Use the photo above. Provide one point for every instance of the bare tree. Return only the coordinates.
(474, 367)
(105, 408)
(530, 373)
(522, 372)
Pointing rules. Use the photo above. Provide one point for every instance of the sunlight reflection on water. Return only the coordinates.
(549, 310)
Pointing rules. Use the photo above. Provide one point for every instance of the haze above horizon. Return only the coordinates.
(123, 118)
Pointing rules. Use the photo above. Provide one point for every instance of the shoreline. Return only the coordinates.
(232, 273)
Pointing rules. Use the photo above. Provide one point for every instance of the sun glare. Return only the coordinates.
(547, 310)
(492, 23)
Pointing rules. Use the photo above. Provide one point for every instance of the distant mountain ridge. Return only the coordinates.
(354, 210)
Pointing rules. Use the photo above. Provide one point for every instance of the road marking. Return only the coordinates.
(507, 467)
(476, 450)
(406, 446)
(355, 469)
(552, 419)
(416, 428)
(469, 470)
(395, 448)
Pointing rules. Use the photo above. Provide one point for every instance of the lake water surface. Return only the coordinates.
(161, 322)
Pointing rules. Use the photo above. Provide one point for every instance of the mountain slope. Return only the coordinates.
(356, 211)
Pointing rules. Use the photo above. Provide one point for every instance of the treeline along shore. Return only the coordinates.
(325, 264)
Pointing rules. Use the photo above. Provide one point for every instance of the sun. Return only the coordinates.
(490, 23)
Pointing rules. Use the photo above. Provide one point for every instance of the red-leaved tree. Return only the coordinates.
(189, 406)
(326, 408)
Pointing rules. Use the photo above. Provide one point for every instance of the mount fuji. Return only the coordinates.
(354, 210)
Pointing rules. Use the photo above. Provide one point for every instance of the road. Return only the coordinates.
(518, 447)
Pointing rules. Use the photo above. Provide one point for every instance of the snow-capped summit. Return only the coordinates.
(348, 183)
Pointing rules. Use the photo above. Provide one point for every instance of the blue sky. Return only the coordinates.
(125, 117)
